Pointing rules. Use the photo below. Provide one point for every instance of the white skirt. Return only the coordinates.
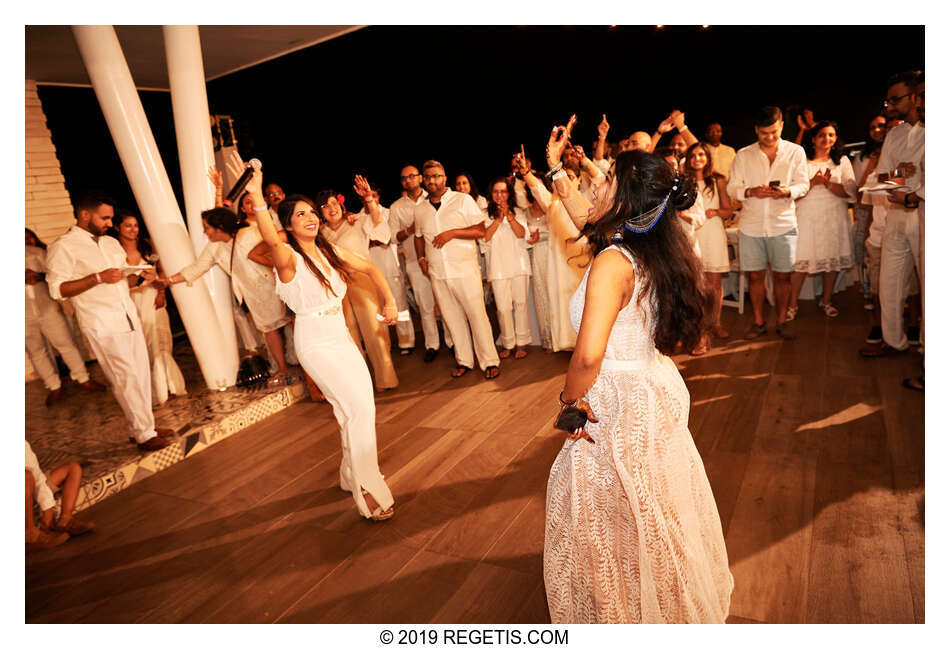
(713, 245)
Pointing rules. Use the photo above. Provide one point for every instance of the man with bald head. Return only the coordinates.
(721, 154)
(638, 141)
(402, 222)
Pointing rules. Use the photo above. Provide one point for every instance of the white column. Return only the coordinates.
(196, 153)
(122, 108)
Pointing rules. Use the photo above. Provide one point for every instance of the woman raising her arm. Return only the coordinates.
(311, 278)
(632, 533)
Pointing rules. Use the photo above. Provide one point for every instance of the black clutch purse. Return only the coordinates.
(571, 419)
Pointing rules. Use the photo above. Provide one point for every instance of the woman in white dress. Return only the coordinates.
(711, 236)
(353, 232)
(566, 257)
(231, 240)
(632, 533)
(150, 302)
(509, 268)
(824, 226)
(312, 277)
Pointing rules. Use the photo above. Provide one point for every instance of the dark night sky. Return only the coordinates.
(372, 100)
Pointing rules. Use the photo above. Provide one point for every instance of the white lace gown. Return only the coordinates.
(824, 225)
(632, 533)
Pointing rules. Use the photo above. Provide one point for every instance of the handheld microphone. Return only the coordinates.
(242, 181)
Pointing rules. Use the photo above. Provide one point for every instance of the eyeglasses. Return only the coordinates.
(890, 101)
(409, 177)
(433, 176)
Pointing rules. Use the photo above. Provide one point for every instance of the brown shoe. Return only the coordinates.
(154, 444)
(92, 386)
(47, 540)
(55, 396)
(73, 527)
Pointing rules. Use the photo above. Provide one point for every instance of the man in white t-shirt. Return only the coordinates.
(86, 266)
(448, 224)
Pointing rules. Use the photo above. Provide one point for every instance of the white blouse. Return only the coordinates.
(506, 253)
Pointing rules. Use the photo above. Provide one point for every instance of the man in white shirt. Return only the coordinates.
(903, 151)
(767, 177)
(721, 154)
(273, 195)
(87, 267)
(45, 320)
(448, 224)
(402, 224)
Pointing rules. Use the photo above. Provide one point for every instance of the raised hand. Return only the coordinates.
(559, 140)
(666, 125)
(579, 150)
(256, 183)
(361, 186)
(216, 177)
(809, 117)
(603, 127)
(801, 123)
(678, 118)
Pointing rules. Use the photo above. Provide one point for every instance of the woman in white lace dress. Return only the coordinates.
(632, 533)
(824, 225)
(230, 241)
(312, 277)
(150, 303)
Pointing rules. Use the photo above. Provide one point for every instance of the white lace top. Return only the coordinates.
(632, 335)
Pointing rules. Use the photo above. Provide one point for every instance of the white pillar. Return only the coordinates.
(122, 108)
(196, 153)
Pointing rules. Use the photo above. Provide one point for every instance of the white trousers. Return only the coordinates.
(900, 252)
(52, 324)
(462, 302)
(123, 358)
(511, 299)
(920, 270)
(425, 300)
(387, 260)
(328, 354)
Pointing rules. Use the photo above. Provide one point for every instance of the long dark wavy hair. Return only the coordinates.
(835, 153)
(142, 244)
(492, 208)
(670, 271)
(285, 211)
(710, 177)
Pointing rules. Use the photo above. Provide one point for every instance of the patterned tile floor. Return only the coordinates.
(90, 428)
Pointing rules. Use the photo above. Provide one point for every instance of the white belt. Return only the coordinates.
(618, 365)
(332, 309)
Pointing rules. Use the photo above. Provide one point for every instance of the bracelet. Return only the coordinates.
(556, 168)
(685, 128)
(98, 279)
(262, 208)
(560, 174)
(563, 403)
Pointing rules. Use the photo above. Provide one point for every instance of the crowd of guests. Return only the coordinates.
(322, 282)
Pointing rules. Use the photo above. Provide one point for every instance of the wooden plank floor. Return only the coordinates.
(815, 456)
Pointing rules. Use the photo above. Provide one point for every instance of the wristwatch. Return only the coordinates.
(911, 204)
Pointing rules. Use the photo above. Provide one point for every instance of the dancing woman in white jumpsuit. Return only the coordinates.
(311, 279)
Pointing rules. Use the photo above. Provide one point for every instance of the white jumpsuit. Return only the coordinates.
(328, 354)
